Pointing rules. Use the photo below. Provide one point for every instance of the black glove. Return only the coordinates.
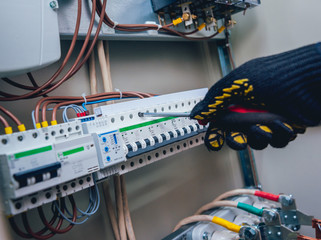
(286, 84)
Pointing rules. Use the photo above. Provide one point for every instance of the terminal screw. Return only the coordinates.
(186, 16)
(286, 200)
(249, 233)
(205, 236)
(269, 216)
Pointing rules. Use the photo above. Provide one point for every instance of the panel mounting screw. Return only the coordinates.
(53, 4)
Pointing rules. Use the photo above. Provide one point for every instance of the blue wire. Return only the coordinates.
(84, 213)
(103, 100)
(92, 208)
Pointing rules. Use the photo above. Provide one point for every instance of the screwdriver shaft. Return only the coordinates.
(164, 114)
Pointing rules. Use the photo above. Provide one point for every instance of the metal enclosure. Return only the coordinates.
(30, 41)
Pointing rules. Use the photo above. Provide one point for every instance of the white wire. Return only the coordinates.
(76, 108)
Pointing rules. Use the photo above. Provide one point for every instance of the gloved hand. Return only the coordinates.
(286, 85)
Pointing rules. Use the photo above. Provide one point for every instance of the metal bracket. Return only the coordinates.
(187, 12)
(246, 157)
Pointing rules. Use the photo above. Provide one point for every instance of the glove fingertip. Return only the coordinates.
(283, 134)
(259, 136)
(214, 145)
(214, 139)
(236, 141)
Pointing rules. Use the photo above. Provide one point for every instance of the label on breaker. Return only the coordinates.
(31, 159)
(25, 171)
(110, 148)
(77, 157)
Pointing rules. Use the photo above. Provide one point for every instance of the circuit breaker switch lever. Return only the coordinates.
(164, 114)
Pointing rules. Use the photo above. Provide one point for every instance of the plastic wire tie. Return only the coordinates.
(115, 24)
(120, 93)
(84, 97)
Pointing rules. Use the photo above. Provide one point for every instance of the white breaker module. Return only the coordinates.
(40, 164)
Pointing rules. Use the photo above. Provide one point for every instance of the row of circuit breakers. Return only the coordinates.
(39, 165)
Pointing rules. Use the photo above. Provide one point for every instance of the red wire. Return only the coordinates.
(26, 235)
(28, 229)
(57, 230)
(267, 195)
(48, 225)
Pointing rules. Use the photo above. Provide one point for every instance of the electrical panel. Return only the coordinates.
(41, 164)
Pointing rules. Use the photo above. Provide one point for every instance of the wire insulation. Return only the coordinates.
(215, 204)
(120, 209)
(128, 220)
(110, 210)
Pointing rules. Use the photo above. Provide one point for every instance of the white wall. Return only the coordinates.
(273, 27)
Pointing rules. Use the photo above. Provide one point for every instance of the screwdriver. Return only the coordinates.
(237, 109)
(234, 117)
(164, 114)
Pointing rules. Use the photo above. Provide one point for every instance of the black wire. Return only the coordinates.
(33, 81)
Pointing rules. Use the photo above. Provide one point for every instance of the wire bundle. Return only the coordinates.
(147, 27)
(121, 222)
(58, 208)
(61, 101)
(81, 59)
(97, 7)
(219, 202)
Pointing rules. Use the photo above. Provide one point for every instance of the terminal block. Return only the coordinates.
(201, 11)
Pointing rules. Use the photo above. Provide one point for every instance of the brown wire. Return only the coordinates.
(70, 226)
(56, 74)
(75, 66)
(44, 108)
(27, 235)
(94, 97)
(54, 111)
(128, 219)
(33, 82)
(9, 114)
(48, 86)
(120, 208)
(110, 210)
(18, 85)
(145, 27)
(41, 232)
(52, 229)
(4, 121)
